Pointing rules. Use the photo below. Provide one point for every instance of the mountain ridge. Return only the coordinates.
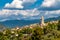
(14, 23)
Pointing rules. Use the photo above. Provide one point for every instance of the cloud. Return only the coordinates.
(14, 4)
(6, 14)
(31, 1)
(18, 3)
(50, 14)
(50, 5)
(17, 13)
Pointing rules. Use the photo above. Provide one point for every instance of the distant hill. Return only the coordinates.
(13, 23)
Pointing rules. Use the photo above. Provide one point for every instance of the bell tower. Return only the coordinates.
(42, 21)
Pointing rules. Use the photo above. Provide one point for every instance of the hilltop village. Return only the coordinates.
(38, 31)
(41, 24)
(32, 26)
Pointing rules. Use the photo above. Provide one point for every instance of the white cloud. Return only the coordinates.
(15, 4)
(6, 14)
(18, 3)
(29, 1)
(51, 3)
(52, 12)
(48, 3)
(18, 12)
(31, 14)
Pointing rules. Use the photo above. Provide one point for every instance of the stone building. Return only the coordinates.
(42, 21)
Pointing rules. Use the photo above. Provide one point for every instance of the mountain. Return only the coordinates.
(14, 23)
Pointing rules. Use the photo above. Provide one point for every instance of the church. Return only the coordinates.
(42, 22)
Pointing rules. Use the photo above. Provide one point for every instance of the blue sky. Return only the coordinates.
(3, 2)
(28, 9)
(30, 5)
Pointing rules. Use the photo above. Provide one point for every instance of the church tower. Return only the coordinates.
(42, 21)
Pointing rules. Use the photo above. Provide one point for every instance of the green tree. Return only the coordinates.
(38, 32)
(59, 25)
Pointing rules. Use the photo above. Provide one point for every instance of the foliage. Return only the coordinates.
(49, 32)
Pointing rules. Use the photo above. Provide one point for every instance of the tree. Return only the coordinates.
(38, 32)
(59, 25)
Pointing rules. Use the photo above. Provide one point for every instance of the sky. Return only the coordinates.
(28, 9)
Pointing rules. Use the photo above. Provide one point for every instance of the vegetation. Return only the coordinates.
(49, 32)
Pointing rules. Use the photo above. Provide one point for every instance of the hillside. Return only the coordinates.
(32, 32)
